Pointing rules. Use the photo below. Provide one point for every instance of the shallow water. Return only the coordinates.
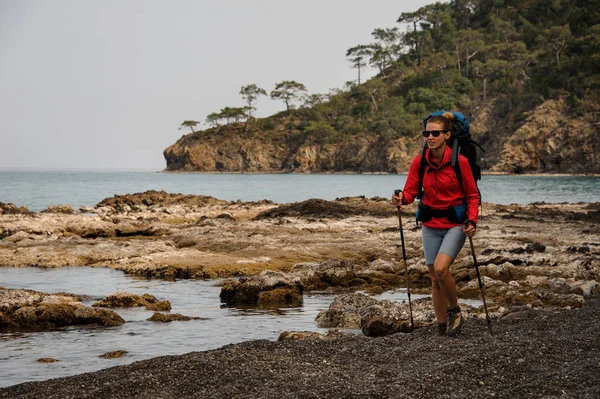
(79, 348)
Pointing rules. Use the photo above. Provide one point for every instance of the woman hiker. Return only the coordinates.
(448, 211)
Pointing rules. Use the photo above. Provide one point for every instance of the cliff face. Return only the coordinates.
(550, 140)
(250, 154)
(553, 141)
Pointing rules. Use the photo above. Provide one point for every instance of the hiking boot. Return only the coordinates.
(455, 322)
(442, 328)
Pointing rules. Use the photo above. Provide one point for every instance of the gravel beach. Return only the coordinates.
(548, 355)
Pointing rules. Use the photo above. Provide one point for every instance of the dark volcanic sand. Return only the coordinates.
(550, 355)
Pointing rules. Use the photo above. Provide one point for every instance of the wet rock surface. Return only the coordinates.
(345, 311)
(26, 309)
(552, 354)
(129, 300)
(268, 288)
(169, 317)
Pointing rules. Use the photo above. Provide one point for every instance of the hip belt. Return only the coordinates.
(456, 214)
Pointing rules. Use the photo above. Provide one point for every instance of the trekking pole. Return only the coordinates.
(487, 316)
(412, 324)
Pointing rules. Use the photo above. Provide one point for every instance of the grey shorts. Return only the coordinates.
(447, 241)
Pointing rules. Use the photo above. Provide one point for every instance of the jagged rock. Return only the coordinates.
(558, 286)
(386, 317)
(150, 298)
(13, 299)
(17, 237)
(101, 317)
(105, 211)
(345, 311)
(91, 228)
(66, 209)
(30, 309)
(585, 288)
(331, 272)
(167, 318)
(125, 203)
(382, 265)
(169, 273)
(12, 209)
(301, 336)
(47, 360)
(129, 300)
(502, 272)
(289, 296)
(162, 306)
(114, 354)
(122, 300)
(129, 229)
(288, 289)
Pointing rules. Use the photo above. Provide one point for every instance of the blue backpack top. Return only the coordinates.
(461, 143)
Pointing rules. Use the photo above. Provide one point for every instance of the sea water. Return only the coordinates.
(38, 189)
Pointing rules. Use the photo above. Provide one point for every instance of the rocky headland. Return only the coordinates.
(537, 261)
(546, 139)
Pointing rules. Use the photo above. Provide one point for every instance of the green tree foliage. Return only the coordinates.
(213, 119)
(229, 115)
(250, 93)
(385, 49)
(461, 55)
(358, 57)
(288, 91)
(189, 124)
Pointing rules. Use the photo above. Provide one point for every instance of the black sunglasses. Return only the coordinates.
(434, 133)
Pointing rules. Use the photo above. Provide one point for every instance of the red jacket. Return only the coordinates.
(442, 189)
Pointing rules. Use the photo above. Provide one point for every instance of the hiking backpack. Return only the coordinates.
(461, 143)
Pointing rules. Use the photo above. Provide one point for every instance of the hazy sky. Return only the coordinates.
(106, 84)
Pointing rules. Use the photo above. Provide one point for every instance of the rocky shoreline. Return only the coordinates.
(539, 262)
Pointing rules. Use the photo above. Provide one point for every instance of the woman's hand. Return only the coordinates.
(469, 229)
(397, 198)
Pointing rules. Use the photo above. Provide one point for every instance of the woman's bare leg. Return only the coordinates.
(441, 268)
(439, 302)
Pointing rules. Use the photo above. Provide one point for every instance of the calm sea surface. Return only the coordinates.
(38, 189)
(78, 348)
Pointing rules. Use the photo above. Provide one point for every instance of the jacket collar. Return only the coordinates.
(445, 159)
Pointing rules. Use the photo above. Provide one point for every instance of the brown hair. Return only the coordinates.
(445, 120)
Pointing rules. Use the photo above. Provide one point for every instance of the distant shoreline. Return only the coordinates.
(142, 170)
(375, 173)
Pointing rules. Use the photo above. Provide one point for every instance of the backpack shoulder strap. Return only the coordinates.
(458, 171)
(454, 160)
(422, 168)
